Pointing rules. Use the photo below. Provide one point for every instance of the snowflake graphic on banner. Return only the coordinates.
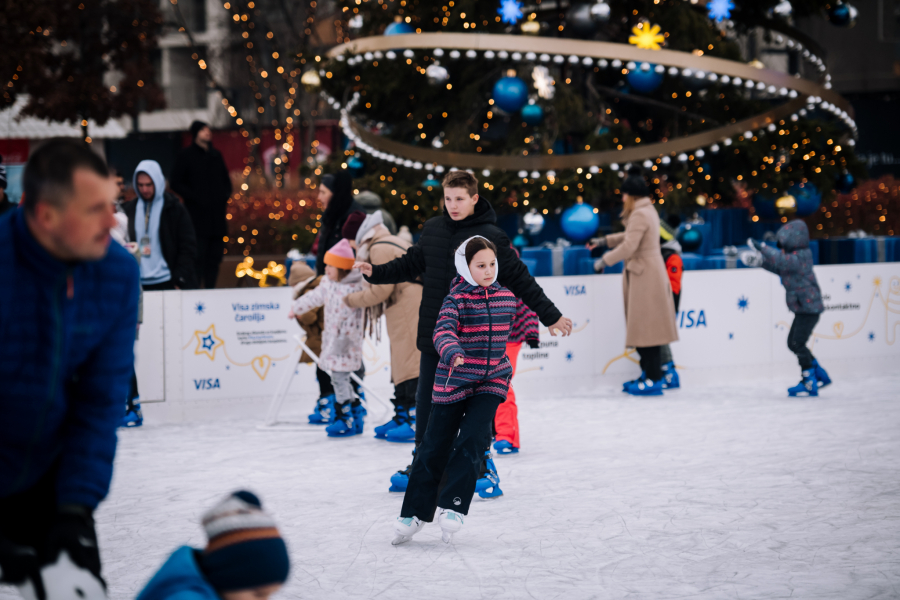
(510, 11)
(543, 82)
(743, 303)
(719, 10)
(200, 308)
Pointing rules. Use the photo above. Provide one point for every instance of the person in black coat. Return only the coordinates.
(201, 178)
(336, 197)
(170, 234)
(432, 258)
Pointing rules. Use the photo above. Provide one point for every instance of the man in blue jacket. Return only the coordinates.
(67, 323)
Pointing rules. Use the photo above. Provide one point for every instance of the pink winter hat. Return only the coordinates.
(340, 256)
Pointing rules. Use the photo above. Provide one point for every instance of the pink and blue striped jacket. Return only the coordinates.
(474, 323)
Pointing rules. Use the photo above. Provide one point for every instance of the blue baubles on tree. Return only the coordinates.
(808, 197)
(645, 78)
(579, 222)
(843, 14)
(845, 183)
(398, 28)
(356, 166)
(532, 114)
(510, 94)
(690, 238)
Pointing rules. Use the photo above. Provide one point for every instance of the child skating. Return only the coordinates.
(471, 381)
(342, 337)
(793, 262)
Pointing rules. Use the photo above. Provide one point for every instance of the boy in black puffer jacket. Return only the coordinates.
(465, 215)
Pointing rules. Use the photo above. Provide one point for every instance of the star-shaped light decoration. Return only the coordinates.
(543, 82)
(647, 37)
(719, 10)
(510, 11)
(208, 342)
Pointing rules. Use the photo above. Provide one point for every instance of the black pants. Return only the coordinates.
(159, 287)
(427, 370)
(651, 362)
(325, 387)
(801, 329)
(405, 394)
(209, 257)
(26, 517)
(448, 462)
(133, 392)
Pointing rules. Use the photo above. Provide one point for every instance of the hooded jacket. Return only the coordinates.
(474, 323)
(342, 338)
(432, 260)
(66, 358)
(180, 578)
(177, 240)
(201, 178)
(400, 301)
(794, 264)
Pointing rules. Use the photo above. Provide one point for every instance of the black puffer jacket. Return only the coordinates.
(201, 178)
(432, 258)
(177, 238)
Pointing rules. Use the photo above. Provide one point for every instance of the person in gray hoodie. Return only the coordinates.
(793, 262)
(162, 228)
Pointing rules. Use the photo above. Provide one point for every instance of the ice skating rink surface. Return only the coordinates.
(717, 491)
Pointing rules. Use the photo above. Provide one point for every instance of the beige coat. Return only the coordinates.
(649, 306)
(401, 303)
(303, 280)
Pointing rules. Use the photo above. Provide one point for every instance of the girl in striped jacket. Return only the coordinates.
(472, 380)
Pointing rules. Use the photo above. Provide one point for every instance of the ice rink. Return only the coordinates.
(715, 491)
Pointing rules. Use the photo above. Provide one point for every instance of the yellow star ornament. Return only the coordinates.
(647, 37)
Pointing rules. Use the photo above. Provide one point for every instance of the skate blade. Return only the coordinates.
(398, 490)
(446, 537)
(490, 493)
(401, 539)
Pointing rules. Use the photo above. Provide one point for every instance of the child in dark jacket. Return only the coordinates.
(471, 381)
(793, 262)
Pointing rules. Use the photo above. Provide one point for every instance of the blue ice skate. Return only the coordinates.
(488, 486)
(807, 385)
(400, 480)
(404, 434)
(133, 415)
(646, 387)
(400, 418)
(359, 413)
(670, 380)
(323, 413)
(628, 384)
(822, 378)
(504, 447)
(345, 422)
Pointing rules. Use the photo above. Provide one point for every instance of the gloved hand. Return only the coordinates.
(752, 258)
(17, 563)
(599, 265)
(73, 531)
(754, 245)
(597, 242)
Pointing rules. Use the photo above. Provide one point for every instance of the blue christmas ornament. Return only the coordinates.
(845, 183)
(644, 78)
(690, 238)
(398, 28)
(764, 206)
(808, 197)
(356, 166)
(431, 182)
(532, 114)
(510, 11)
(510, 94)
(579, 222)
(519, 241)
(719, 10)
(843, 15)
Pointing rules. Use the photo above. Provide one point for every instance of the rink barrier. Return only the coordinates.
(222, 349)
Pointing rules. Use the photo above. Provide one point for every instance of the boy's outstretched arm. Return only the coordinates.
(402, 269)
(515, 276)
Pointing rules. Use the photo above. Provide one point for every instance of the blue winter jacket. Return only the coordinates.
(179, 578)
(66, 357)
(794, 264)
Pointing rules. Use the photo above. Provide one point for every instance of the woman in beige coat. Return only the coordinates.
(649, 308)
(400, 305)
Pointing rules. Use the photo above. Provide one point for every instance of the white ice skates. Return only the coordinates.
(450, 522)
(405, 528)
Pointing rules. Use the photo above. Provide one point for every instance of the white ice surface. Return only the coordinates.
(715, 491)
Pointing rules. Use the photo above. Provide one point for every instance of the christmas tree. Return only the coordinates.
(547, 103)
